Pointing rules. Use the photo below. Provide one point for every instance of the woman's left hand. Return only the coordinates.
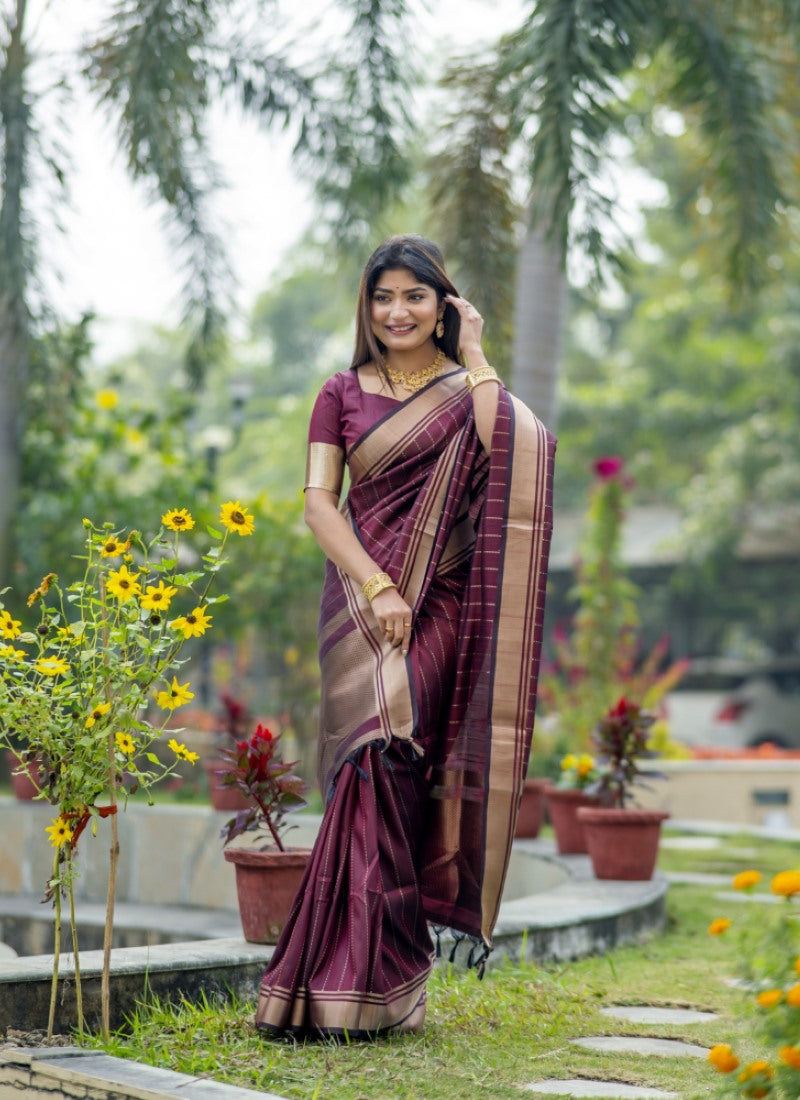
(469, 338)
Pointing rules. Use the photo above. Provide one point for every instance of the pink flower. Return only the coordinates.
(607, 467)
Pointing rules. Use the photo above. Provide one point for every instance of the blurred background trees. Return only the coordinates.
(614, 184)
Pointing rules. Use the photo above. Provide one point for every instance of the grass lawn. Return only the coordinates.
(488, 1039)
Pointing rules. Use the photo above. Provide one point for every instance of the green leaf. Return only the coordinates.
(215, 534)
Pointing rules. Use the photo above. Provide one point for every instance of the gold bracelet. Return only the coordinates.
(375, 584)
(480, 374)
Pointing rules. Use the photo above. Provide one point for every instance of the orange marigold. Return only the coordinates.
(722, 1058)
(757, 1078)
(790, 1056)
(786, 883)
(793, 995)
(718, 926)
(768, 998)
(745, 880)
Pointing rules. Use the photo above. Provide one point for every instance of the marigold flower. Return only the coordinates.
(107, 399)
(158, 596)
(793, 995)
(569, 761)
(178, 519)
(181, 751)
(52, 666)
(59, 832)
(44, 587)
(722, 1058)
(125, 743)
(113, 548)
(786, 883)
(718, 926)
(193, 625)
(123, 584)
(745, 880)
(177, 695)
(96, 714)
(585, 764)
(757, 1076)
(768, 998)
(9, 628)
(236, 517)
(12, 654)
(790, 1056)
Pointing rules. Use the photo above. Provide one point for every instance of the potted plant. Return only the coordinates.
(574, 790)
(622, 841)
(233, 725)
(267, 877)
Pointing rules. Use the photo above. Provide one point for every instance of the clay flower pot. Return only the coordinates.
(25, 783)
(623, 844)
(266, 886)
(562, 806)
(531, 808)
(223, 797)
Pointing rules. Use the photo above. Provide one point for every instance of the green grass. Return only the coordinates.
(488, 1039)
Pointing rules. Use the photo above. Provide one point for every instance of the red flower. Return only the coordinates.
(261, 734)
(608, 467)
(621, 709)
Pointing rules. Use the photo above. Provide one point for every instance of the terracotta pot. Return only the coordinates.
(266, 886)
(25, 784)
(531, 808)
(623, 844)
(223, 797)
(562, 807)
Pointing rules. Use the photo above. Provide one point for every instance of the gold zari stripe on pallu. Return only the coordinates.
(324, 467)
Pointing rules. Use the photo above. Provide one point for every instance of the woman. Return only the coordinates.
(430, 630)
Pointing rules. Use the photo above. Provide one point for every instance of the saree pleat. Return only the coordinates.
(466, 537)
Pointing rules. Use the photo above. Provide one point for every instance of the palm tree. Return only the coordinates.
(564, 80)
(155, 66)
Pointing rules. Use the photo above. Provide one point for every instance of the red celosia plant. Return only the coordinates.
(257, 768)
(620, 737)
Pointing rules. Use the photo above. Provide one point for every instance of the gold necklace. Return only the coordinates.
(415, 380)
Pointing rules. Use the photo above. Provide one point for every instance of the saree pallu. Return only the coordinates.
(422, 757)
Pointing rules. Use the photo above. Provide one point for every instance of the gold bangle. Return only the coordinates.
(375, 584)
(480, 374)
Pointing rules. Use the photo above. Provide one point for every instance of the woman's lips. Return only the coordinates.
(399, 330)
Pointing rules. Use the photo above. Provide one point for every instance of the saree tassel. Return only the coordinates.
(437, 930)
(458, 938)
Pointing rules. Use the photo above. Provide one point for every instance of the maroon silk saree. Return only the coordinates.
(422, 757)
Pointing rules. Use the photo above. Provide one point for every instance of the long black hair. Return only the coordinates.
(425, 262)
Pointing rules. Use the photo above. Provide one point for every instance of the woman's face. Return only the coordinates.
(403, 311)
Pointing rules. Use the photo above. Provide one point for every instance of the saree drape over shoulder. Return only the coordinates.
(422, 757)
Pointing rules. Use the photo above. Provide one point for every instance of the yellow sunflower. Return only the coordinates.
(12, 654)
(236, 517)
(178, 519)
(113, 548)
(96, 714)
(125, 743)
(42, 589)
(181, 751)
(9, 628)
(52, 666)
(177, 695)
(59, 832)
(123, 584)
(158, 596)
(193, 625)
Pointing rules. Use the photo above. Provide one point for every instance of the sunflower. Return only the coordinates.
(113, 548)
(52, 666)
(125, 743)
(158, 596)
(123, 585)
(12, 654)
(42, 589)
(193, 625)
(9, 628)
(177, 695)
(178, 519)
(181, 751)
(96, 714)
(60, 832)
(236, 517)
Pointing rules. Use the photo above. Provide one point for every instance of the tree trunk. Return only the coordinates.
(14, 317)
(539, 308)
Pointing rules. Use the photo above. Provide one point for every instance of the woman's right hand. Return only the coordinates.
(394, 618)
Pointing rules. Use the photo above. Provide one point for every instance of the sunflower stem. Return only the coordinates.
(56, 947)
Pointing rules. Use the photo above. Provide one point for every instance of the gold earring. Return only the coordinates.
(440, 328)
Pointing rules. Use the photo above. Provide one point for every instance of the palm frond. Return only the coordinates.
(469, 184)
(151, 71)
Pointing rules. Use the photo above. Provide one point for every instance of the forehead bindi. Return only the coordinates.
(399, 281)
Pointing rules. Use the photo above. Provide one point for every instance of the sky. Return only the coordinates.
(114, 256)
